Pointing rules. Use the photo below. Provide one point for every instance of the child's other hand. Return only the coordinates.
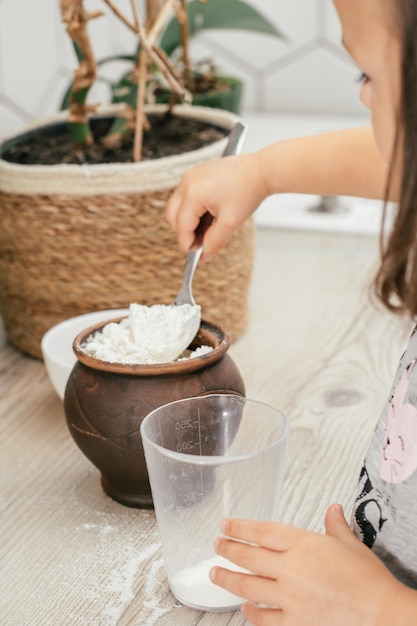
(301, 578)
(229, 190)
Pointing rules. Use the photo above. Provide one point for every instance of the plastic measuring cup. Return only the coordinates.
(208, 458)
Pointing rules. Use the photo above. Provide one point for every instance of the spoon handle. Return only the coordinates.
(185, 295)
(236, 139)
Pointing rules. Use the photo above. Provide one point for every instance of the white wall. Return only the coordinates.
(309, 72)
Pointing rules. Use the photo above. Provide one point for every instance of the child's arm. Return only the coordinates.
(344, 162)
(304, 578)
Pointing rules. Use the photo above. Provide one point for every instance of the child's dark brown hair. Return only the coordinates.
(396, 280)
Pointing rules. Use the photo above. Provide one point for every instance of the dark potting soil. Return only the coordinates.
(168, 135)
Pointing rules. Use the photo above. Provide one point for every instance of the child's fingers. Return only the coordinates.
(216, 236)
(257, 560)
(186, 234)
(172, 207)
(271, 535)
(262, 616)
(247, 586)
(337, 526)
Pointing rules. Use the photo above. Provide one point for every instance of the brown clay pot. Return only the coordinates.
(105, 404)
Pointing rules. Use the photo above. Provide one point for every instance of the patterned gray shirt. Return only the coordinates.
(385, 511)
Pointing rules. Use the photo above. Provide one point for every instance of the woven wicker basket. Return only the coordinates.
(75, 239)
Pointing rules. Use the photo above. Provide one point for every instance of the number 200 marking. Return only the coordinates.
(185, 445)
(183, 424)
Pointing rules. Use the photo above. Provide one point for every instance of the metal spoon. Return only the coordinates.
(185, 294)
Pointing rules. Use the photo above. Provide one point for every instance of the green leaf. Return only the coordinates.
(227, 99)
(10, 143)
(66, 100)
(78, 52)
(119, 127)
(218, 14)
(80, 133)
(125, 90)
(116, 57)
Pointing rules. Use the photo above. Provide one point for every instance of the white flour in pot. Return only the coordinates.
(150, 334)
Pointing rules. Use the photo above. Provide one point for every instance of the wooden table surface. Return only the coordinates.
(315, 347)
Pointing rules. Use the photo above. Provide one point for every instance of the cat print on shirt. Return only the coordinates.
(368, 513)
(398, 461)
(384, 516)
(399, 451)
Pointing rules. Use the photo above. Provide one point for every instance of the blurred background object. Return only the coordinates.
(308, 72)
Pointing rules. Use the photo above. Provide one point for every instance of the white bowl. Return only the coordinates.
(56, 344)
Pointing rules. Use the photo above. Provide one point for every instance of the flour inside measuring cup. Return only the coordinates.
(150, 334)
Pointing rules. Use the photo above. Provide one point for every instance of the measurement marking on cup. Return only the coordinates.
(182, 511)
(191, 496)
(184, 424)
(186, 446)
(199, 439)
(189, 441)
(199, 430)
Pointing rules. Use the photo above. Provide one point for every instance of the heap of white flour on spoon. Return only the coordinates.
(149, 335)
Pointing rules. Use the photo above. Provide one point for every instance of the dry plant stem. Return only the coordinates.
(140, 107)
(168, 70)
(182, 17)
(159, 23)
(120, 15)
(154, 53)
(157, 12)
(162, 62)
(153, 10)
(76, 18)
(141, 75)
(135, 12)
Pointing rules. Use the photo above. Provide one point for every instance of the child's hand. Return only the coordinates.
(229, 190)
(307, 579)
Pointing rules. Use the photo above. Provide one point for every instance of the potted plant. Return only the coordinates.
(82, 228)
(162, 70)
(201, 79)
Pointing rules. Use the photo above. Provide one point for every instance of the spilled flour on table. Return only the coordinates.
(121, 582)
(152, 581)
(118, 563)
(101, 563)
(117, 590)
(151, 590)
(105, 530)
